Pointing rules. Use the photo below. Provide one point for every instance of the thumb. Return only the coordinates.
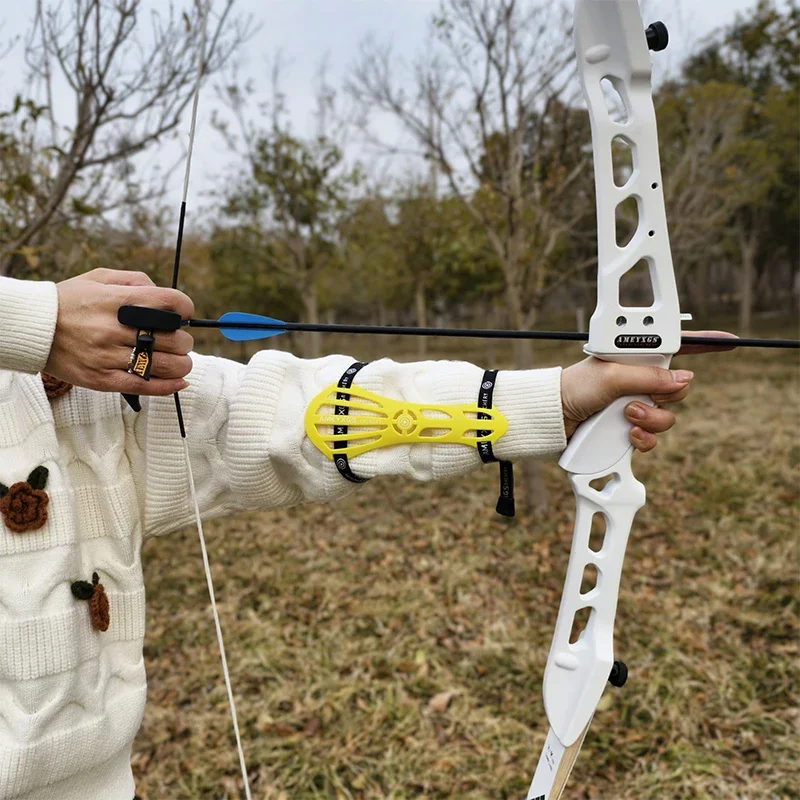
(627, 380)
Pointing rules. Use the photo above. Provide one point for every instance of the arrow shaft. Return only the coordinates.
(390, 330)
(467, 333)
(779, 344)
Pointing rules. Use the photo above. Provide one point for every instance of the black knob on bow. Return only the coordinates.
(657, 37)
(619, 674)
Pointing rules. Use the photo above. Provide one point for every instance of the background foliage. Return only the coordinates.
(497, 224)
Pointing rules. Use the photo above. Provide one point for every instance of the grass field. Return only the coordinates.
(392, 646)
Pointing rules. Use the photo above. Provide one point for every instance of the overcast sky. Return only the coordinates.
(306, 30)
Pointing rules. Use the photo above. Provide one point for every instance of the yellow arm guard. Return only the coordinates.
(374, 422)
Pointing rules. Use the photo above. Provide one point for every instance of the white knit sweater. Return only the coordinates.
(72, 697)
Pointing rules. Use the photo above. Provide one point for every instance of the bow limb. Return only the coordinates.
(554, 767)
(598, 461)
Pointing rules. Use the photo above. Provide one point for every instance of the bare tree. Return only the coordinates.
(716, 217)
(291, 193)
(488, 105)
(128, 92)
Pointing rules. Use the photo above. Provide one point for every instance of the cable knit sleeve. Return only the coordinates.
(28, 313)
(249, 448)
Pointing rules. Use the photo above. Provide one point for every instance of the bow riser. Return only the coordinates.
(612, 45)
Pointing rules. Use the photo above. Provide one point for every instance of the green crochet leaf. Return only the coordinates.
(38, 478)
(82, 590)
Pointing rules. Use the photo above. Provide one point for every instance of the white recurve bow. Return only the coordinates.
(612, 44)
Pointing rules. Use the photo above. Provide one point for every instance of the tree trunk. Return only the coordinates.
(749, 247)
(312, 343)
(422, 319)
(796, 292)
(536, 498)
(523, 350)
(490, 345)
(535, 495)
(699, 282)
(580, 319)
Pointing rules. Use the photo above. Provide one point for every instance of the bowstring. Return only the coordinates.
(190, 473)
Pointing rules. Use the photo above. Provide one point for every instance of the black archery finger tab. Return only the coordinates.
(134, 401)
(657, 37)
(147, 322)
(149, 319)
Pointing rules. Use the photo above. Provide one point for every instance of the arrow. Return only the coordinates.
(240, 327)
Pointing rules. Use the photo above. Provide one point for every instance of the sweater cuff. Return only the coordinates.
(531, 402)
(28, 314)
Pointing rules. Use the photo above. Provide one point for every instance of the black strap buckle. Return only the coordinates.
(141, 360)
(341, 460)
(505, 502)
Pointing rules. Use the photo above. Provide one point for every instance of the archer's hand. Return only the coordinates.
(91, 349)
(591, 385)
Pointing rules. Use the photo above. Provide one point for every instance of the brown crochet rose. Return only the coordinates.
(24, 505)
(53, 387)
(99, 611)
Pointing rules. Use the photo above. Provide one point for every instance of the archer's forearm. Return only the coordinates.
(250, 449)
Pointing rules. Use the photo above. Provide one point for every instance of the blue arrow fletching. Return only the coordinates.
(248, 334)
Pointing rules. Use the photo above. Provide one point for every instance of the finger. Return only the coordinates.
(651, 420)
(696, 349)
(120, 381)
(643, 441)
(627, 380)
(178, 343)
(158, 387)
(119, 277)
(158, 297)
(169, 366)
(673, 397)
(164, 365)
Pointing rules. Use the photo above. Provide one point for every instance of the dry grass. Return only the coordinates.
(345, 624)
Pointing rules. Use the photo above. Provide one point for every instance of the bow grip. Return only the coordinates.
(143, 318)
(602, 440)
